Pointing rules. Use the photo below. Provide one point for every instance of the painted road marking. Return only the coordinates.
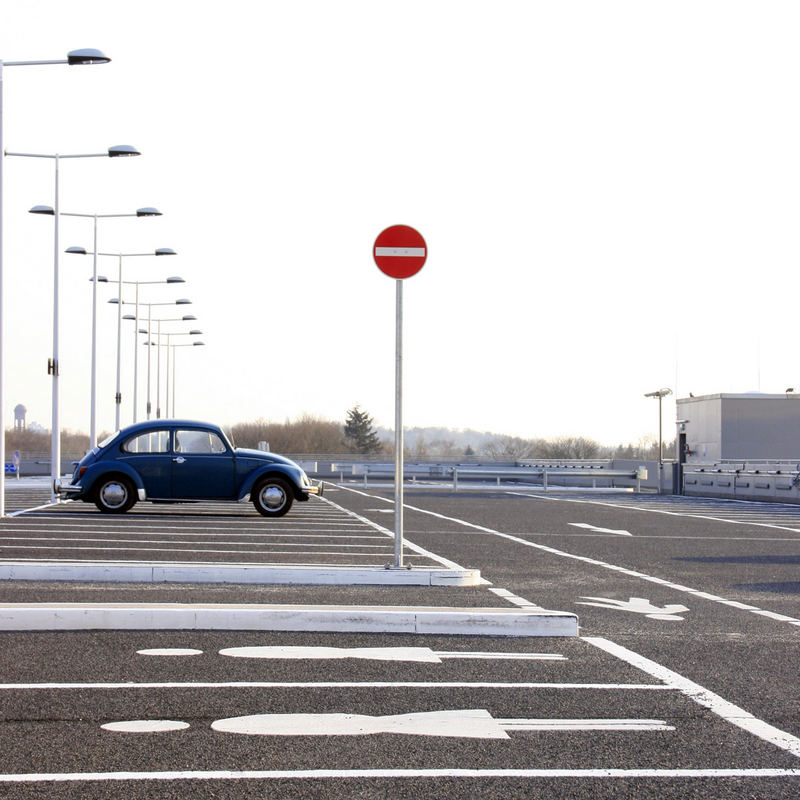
(474, 723)
(513, 598)
(146, 726)
(416, 654)
(599, 530)
(15, 687)
(362, 774)
(719, 706)
(170, 651)
(639, 605)
(633, 507)
(594, 562)
(406, 543)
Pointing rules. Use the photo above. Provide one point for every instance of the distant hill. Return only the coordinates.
(441, 441)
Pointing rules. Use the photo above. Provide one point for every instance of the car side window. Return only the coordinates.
(194, 442)
(150, 442)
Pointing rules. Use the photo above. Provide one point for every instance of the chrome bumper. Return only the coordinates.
(69, 488)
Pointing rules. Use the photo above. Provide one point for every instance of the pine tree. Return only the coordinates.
(359, 432)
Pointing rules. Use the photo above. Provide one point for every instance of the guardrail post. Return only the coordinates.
(455, 479)
(544, 476)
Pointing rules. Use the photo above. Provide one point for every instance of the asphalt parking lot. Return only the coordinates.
(682, 683)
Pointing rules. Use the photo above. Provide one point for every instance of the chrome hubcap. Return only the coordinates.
(273, 497)
(113, 495)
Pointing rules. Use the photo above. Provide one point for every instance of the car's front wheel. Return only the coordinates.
(114, 494)
(272, 497)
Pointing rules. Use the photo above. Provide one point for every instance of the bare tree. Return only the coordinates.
(572, 448)
(511, 448)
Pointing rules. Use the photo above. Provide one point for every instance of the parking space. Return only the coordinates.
(319, 532)
(208, 708)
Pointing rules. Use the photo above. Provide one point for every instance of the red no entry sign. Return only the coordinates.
(400, 251)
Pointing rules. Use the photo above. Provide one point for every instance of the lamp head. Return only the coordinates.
(148, 211)
(42, 210)
(175, 279)
(165, 251)
(81, 251)
(86, 56)
(122, 150)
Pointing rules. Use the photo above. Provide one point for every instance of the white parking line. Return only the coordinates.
(14, 687)
(356, 774)
(722, 708)
(594, 562)
(33, 539)
(406, 543)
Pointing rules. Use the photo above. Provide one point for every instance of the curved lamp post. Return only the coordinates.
(168, 344)
(74, 58)
(660, 394)
(190, 344)
(121, 150)
(150, 320)
(161, 251)
(148, 211)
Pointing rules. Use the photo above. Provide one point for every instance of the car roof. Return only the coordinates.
(160, 424)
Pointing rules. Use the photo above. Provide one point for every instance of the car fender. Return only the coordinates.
(292, 474)
(100, 468)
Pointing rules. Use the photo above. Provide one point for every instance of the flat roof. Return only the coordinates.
(743, 396)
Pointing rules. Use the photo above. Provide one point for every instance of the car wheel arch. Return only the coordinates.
(268, 471)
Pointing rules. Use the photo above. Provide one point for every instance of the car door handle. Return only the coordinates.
(179, 460)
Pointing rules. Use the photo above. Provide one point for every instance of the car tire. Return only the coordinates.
(272, 497)
(114, 494)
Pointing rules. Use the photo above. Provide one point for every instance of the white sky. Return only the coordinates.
(608, 190)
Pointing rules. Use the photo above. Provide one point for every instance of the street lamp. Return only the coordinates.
(121, 150)
(168, 344)
(660, 394)
(74, 58)
(135, 317)
(148, 211)
(185, 318)
(190, 344)
(161, 251)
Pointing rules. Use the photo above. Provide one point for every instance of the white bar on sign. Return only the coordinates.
(415, 252)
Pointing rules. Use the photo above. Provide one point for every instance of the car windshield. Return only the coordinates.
(107, 441)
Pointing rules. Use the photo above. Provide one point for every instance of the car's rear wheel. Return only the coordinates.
(114, 494)
(272, 497)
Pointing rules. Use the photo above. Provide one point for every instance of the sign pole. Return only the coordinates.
(400, 252)
(398, 428)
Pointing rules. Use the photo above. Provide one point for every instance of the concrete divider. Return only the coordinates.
(337, 619)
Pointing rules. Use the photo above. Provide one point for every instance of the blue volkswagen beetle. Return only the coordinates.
(171, 461)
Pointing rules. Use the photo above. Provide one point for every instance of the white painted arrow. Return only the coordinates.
(419, 654)
(600, 530)
(639, 605)
(474, 723)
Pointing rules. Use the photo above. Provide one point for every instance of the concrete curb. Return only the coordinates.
(339, 619)
(139, 572)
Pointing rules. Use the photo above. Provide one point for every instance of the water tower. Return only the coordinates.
(19, 417)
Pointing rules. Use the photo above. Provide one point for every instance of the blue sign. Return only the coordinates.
(11, 469)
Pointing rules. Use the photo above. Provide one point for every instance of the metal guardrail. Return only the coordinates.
(545, 474)
(441, 472)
